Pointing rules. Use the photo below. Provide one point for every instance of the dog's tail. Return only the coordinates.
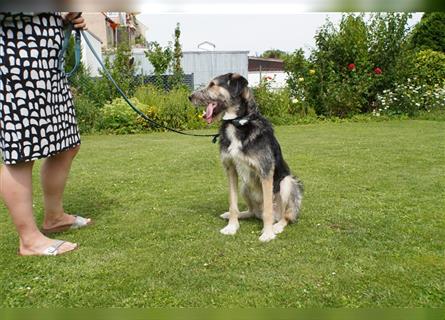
(298, 195)
(292, 197)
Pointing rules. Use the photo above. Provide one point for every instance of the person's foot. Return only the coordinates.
(44, 246)
(64, 222)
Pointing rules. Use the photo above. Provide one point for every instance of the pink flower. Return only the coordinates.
(377, 70)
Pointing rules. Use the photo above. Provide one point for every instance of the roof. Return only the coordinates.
(217, 51)
(246, 52)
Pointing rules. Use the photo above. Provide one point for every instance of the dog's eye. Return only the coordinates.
(211, 84)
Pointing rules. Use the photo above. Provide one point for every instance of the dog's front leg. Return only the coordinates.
(233, 225)
(267, 186)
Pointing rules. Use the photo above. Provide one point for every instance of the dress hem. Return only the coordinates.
(31, 158)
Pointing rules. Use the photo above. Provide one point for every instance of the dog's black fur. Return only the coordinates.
(249, 147)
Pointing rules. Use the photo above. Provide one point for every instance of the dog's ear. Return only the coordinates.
(237, 83)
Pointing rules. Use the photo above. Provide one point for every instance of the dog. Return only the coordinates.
(249, 150)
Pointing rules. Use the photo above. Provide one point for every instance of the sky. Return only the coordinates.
(251, 32)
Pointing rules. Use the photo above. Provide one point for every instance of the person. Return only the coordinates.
(37, 121)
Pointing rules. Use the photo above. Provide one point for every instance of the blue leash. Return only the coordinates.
(77, 53)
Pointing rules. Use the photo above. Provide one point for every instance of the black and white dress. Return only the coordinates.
(37, 117)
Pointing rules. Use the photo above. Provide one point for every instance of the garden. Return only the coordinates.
(361, 122)
(365, 68)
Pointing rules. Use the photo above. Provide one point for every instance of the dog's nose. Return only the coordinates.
(190, 97)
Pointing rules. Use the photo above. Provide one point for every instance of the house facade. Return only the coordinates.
(268, 69)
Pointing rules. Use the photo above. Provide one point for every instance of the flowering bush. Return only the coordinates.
(352, 63)
(410, 98)
(280, 105)
(429, 67)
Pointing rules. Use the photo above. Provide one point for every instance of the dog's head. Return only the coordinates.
(226, 96)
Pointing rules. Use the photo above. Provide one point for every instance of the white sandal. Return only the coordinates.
(79, 222)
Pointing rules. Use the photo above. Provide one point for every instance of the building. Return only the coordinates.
(106, 30)
(112, 28)
(204, 65)
(267, 68)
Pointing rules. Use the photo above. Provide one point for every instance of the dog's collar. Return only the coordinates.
(239, 121)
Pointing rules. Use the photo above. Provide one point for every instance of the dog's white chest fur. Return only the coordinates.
(244, 164)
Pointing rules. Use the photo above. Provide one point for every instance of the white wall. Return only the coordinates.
(88, 58)
(279, 78)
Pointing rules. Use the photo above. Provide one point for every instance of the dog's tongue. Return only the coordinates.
(208, 116)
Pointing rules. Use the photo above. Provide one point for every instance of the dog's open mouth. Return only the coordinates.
(212, 110)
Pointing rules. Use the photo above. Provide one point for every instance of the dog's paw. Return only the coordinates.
(267, 236)
(225, 216)
(230, 229)
(278, 227)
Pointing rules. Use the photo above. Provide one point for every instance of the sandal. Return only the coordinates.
(79, 222)
(53, 250)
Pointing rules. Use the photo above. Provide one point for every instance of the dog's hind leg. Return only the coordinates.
(233, 225)
(253, 198)
(242, 215)
(291, 191)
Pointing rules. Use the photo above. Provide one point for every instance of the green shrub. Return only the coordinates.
(88, 114)
(343, 99)
(99, 90)
(429, 67)
(279, 106)
(429, 33)
(272, 103)
(118, 117)
(173, 107)
(96, 90)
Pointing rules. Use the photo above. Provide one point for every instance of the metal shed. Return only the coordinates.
(204, 65)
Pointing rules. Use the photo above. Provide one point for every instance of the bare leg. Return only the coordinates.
(233, 225)
(16, 191)
(267, 185)
(54, 174)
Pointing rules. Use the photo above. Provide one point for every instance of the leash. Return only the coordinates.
(77, 51)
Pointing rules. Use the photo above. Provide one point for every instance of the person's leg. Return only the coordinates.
(54, 174)
(16, 191)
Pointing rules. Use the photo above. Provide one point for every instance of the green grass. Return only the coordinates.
(371, 233)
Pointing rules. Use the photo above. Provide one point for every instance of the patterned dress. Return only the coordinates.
(37, 117)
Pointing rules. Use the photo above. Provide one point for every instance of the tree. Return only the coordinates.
(178, 73)
(429, 33)
(274, 54)
(388, 49)
(160, 58)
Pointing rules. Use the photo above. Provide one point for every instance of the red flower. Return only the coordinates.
(377, 70)
(351, 67)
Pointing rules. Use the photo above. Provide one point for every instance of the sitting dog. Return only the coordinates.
(249, 150)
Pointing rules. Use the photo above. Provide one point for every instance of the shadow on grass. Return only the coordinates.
(90, 201)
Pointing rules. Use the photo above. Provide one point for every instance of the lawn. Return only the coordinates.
(371, 232)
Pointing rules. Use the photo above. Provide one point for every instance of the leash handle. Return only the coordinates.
(65, 45)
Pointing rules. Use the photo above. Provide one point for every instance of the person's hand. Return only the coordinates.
(78, 22)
